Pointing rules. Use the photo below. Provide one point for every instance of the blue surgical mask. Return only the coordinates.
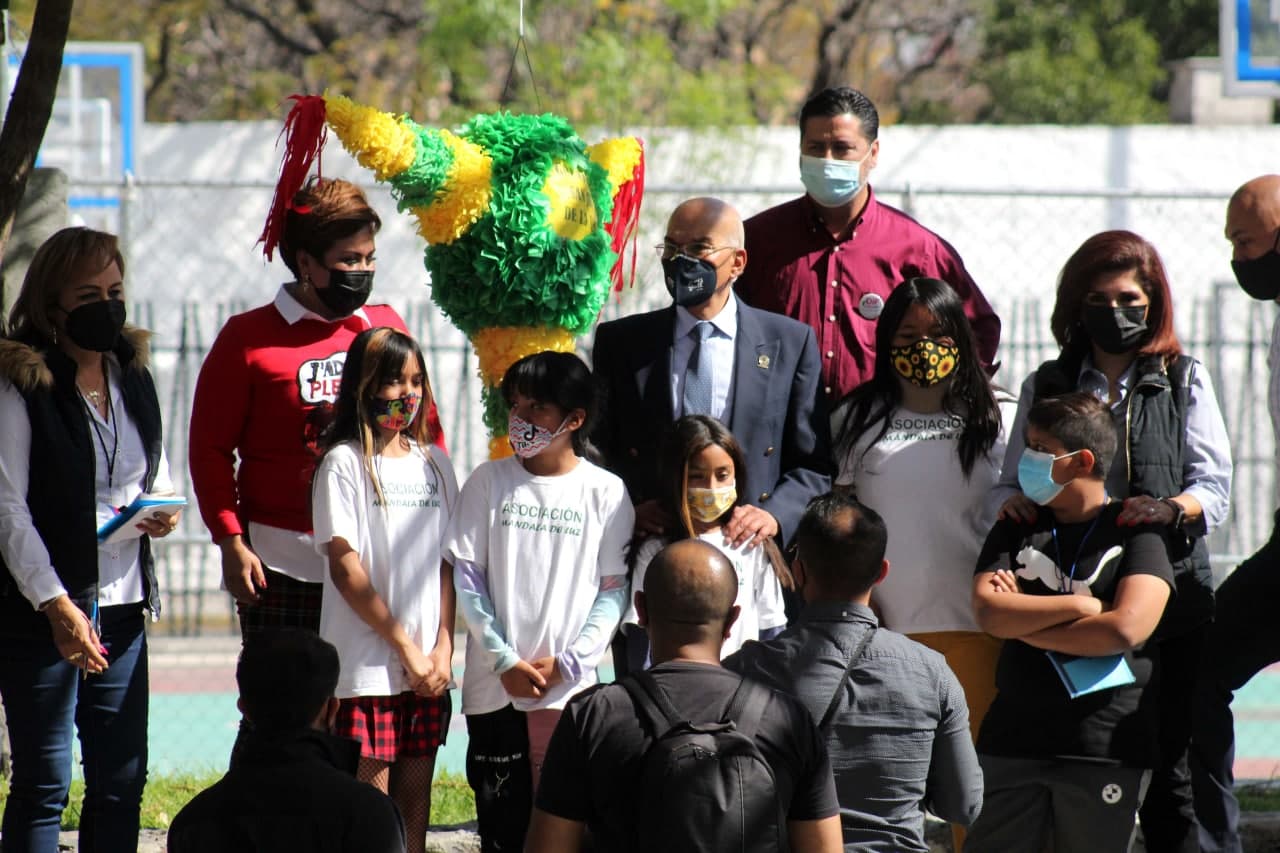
(831, 183)
(1035, 475)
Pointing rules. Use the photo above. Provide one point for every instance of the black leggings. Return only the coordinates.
(499, 772)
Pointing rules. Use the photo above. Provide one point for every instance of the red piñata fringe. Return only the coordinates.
(625, 223)
(304, 135)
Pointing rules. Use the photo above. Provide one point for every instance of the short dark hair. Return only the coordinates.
(1080, 421)
(285, 677)
(843, 100)
(841, 543)
(560, 378)
(320, 214)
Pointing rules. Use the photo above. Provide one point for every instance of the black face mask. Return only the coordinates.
(1115, 330)
(96, 326)
(690, 281)
(1260, 277)
(347, 291)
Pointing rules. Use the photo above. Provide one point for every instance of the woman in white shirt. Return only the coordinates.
(81, 421)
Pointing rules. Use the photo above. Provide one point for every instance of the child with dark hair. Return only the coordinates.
(929, 414)
(382, 498)
(537, 546)
(291, 785)
(1069, 742)
(698, 471)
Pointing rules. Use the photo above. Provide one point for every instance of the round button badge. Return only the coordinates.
(870, 305)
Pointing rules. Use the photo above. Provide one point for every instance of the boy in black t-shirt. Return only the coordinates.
(1075, 595)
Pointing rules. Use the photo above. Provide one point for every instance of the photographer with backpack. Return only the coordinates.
(686, 756)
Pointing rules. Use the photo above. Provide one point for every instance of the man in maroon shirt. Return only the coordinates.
(831, 257)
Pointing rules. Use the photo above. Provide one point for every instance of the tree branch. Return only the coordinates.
(30, 108)
(278, 35)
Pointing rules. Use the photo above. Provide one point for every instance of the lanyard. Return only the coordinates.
(115, 436)
(1065, 586)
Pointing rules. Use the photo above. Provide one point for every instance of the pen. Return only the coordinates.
(93, 620)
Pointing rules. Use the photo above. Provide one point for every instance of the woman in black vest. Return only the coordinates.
(1113, 319)
(81, 427)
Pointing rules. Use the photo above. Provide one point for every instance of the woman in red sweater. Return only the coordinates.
(265, 392)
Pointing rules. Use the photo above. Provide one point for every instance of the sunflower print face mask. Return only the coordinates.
(925, 362)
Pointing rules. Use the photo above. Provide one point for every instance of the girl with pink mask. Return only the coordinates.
(381, 504)
(537, 546)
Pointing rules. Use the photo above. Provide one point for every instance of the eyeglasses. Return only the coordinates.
(696, 249)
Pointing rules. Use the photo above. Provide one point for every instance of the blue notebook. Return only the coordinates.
(1089, 675)
(121, 525)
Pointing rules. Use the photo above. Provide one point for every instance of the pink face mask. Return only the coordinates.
(528, 440)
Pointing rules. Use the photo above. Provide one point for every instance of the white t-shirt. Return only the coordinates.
(759, 592)
(543, 543)
(399, 547)
(936, 518)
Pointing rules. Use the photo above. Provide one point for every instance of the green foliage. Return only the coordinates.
(1183, 28)
(1081, 62)
(452, 800)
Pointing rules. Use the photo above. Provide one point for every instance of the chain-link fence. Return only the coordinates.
(191, 266)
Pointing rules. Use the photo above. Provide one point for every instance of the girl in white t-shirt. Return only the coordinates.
(699, 467)
(921, 443)
(381, 507)
(537, 546)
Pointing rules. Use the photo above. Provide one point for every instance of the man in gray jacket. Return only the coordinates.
(893, 714)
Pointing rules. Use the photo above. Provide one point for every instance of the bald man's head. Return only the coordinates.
(708, 231)
(1253, 217)
(689, 584)
(710, 217)
(1253, 227)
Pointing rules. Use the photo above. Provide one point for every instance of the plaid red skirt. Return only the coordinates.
(390, 727)
(285, 603)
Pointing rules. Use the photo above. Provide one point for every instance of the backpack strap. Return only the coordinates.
(747, 707)
(652, 702)
(835, 697)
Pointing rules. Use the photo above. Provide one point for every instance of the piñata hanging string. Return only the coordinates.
(521, 44)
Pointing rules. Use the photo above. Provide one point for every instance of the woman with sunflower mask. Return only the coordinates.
(1113, 318)
(921, 443)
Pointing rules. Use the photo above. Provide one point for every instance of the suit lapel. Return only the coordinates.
(654, 355)
(754, 364)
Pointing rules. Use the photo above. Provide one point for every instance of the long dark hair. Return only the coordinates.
(689, 435)
(560, 378)
(375, 357)
(969, 393)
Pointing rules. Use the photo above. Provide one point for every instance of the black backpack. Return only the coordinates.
(705, 787)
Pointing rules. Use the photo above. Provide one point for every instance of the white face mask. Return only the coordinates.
(831, 183)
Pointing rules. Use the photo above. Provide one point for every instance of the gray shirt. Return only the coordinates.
(899, 738)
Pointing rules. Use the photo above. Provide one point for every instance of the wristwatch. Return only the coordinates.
(1179, 514)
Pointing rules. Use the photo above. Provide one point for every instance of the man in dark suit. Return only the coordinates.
(711, 354)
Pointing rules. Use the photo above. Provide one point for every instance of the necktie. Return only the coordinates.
(697, 376)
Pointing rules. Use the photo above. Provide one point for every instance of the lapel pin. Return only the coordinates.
(762, 362)
(870, 305)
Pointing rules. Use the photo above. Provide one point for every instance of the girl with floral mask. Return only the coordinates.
(381, 503)
(921, 441)
(698, 469)
(1113, 319)
(537, 547)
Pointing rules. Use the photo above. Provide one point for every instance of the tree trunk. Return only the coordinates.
(29, 109)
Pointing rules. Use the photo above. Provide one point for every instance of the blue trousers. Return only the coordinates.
(1244, 639)
(44, 698)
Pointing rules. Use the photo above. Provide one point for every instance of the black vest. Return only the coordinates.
(61, 493)
(1155, 439)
